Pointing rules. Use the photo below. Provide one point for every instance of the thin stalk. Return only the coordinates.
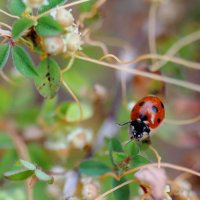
(6, 25)
(8, 14)
(176, 60)
(65, 6)
(184, 84)
(115, 188)
(69, 65)
(184, 41)
(74, 97)
(182, 122)
(157, 154)
(152, 27)
(165, 165)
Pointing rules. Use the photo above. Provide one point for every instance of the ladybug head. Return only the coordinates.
(137, 129)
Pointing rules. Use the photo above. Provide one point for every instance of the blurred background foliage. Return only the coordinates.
(41, 122)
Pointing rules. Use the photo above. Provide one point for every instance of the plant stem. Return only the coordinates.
(115, 188)
(65, 6)
(8, 14)
(152, 27)
(74, 97)
(165, 165)
(176, 47)
(184, 84)
(182, 122)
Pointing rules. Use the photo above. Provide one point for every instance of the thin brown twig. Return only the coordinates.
(99, 44)
(5, 25)
(164, 165)
(182, 122)
(177, 60)
(176, 47)
(74, 97)
(64, 6)
(8, 14)
(7, 79)
(188, 85)
(115, 188)
(92, 13)
(156, 153)
(152, 27)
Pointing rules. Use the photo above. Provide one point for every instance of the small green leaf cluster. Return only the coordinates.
(122, 159)
(52, 31)
(28, 170)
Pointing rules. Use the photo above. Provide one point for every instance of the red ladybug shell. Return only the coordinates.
(149, 109)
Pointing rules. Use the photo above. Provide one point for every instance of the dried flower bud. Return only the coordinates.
(156, 178)
(54, 45)
(74, 42)
(64, 17)
(91, 191)
(79, 138)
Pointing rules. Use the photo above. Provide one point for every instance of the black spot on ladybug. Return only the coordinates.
(141, 103)
(158, 120)
(155, 109)
(162, 105)
(143, 117)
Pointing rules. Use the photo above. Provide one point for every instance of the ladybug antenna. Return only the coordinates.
(124, 123)
(127, 142)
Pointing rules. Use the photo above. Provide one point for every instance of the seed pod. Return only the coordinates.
(64, 17)
(54, 45)
(74, 42)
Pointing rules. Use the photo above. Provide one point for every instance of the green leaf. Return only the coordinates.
(38, 153)
(48, 81)
(20, 26)
(4, 53)
(138, 161)
(123, 192)
(17, 175)
(27, 164)
(47, 26)
(93, 168)
(43, 176)
(23, 62)
(115, 145)
(16, 7)
(5, 141)
(144, 146)
(132, 148)
(5, 101)
(70, 111)
(7, 159)
(118, 156)
(51, 4)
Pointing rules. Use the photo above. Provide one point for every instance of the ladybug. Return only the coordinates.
(147, 114)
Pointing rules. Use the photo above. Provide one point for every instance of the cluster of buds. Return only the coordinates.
(70, 41)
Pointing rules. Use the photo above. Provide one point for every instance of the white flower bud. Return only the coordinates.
(64, 17)
(79, 138)
(54, 45)
(90, 191)
(74, 42)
